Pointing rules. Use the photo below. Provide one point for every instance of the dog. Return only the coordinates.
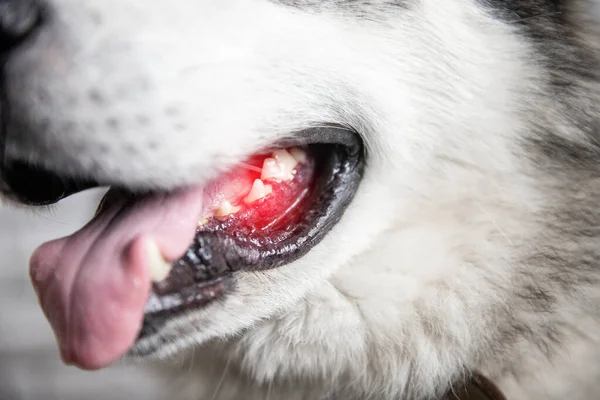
(315, 199)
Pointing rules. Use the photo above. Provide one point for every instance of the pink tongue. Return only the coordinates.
(93, 285)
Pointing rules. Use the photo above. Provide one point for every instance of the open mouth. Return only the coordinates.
(145, 259)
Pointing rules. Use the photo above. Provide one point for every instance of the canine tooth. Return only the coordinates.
(298, 154)
(258, 191)
(226, 208)
(286, 162)
(271, 170)
(159, 268)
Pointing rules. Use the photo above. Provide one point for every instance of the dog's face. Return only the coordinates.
(420, 104)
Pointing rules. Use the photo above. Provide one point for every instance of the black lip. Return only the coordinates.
(36, 186)
(207, 271)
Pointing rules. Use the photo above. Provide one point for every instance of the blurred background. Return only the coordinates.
(30, 368)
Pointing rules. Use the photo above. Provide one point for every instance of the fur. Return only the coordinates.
(473, 241)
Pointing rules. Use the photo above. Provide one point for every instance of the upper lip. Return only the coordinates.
(35, 185)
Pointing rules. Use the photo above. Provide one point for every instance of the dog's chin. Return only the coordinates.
(184, 251)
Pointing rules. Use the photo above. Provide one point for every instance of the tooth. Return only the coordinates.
(298, 154)
(202, 221)
(159, 268)
(258, 191)
(226, 208)
(271, 170)
(286, 162)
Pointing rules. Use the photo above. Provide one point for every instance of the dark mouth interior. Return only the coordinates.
(279, 226)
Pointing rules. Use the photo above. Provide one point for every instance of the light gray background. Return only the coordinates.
(30, 368)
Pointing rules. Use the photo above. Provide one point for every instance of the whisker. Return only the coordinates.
(225, 370)
(192, 359)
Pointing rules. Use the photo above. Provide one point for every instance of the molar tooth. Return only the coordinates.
(271, 170)
(226, 208)
(159, 268)
(298, 154)
(258, 191)
(286, 162)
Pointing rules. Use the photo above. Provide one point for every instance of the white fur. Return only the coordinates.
(401, 297)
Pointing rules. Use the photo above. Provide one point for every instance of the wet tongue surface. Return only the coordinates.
(93, 285)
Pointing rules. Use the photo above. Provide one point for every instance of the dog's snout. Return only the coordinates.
(18, 19)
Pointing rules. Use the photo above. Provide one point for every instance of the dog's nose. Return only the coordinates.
(18, 19)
